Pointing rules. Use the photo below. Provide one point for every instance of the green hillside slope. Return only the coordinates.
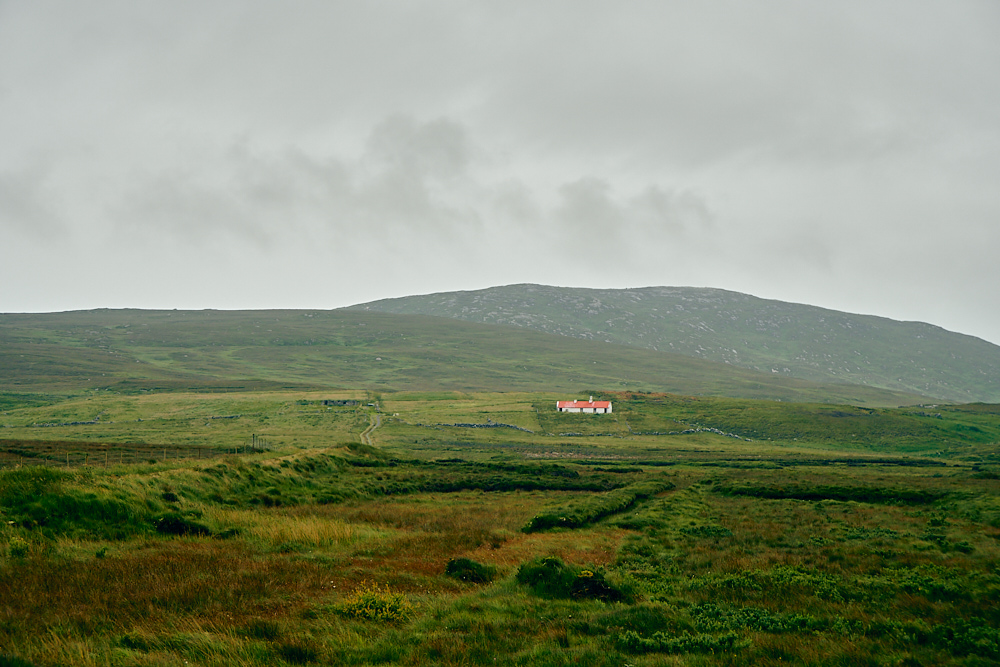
(136, 350)
(773, 337)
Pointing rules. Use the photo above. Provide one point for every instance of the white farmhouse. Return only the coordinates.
(591, 406)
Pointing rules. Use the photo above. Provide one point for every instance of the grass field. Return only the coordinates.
(486, 528)
(133, 352)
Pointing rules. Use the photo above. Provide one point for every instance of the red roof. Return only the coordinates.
(583, 404)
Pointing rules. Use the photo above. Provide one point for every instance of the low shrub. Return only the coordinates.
(642, 618)
(37, 498)
(660, 642)
(972, 636)
(177, 524)
(482, 479)
(8, 660)
(860, 494)
(372, 602)
(550, 577)
(706, 531)
(262, 628)
(469, 570)
(136, 641)
(594, 508)
(783, 578)
(714, 618)
(935, 583)
(18, 547)
(298, 653)
(22, 486)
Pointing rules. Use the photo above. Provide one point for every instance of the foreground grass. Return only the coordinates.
(691, 549)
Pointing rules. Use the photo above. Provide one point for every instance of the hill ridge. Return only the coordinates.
(130, 351)
(795, 340)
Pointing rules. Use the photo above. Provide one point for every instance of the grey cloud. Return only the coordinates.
(188, 212)
(591, 205)
(588, 207)
(695, 82)
(656, 208)
(844, 142)
(514, 204)
(26, 204)
(438, 148)
(596, 222)
(259, 194)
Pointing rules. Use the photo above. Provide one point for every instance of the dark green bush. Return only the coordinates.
(642, 618)
(262, 628)
(551, 578)
(469, 570)
(778, 580)
(713, 618)
(972, 636)
(36, 499)
(22, 486)
(407, 481)
(18, 547)
(660, 642)
(706, 531)
(75, 513)
(135, 641)
(933, 582)
(594, 508)
(860, 494)
(176, 524)
(8, 660)
(548, 577)
(298, 653)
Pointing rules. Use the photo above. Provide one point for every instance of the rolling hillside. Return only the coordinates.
(781, 339)
(135, 350)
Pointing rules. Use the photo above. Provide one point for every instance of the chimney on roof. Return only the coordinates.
(591, 399)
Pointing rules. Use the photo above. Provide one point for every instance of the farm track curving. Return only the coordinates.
(366, 435)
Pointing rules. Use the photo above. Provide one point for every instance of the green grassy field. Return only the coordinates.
(135, 351)
(486, 528)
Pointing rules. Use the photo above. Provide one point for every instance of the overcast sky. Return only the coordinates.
(319, 154)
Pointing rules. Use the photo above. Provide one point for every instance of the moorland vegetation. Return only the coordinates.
(633, 538)
(137, 351)
(221, 500)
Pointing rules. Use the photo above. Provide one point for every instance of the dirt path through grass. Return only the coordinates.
(366, 435)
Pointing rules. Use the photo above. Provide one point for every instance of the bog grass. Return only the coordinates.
(689, 549)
